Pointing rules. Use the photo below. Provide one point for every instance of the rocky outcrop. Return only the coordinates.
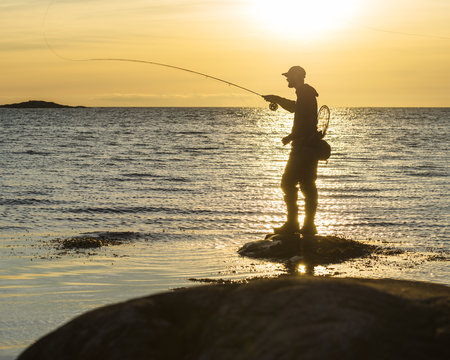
(310, 250)
(285, 318)
(94, 240)
(34, 104)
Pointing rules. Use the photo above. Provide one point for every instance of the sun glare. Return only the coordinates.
(300, 18)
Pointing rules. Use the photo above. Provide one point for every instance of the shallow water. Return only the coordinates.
(188, 187)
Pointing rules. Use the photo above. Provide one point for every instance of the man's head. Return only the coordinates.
(295, 76)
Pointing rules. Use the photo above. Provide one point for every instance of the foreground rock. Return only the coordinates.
(286, 318)
(311, 250)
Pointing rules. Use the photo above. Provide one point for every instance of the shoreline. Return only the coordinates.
(134, 264)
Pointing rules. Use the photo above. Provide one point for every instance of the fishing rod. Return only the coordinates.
(272, 106)
(177, 68)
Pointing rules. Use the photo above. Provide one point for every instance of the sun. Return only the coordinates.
(302, 18)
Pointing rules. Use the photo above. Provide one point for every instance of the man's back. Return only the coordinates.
(305, 120)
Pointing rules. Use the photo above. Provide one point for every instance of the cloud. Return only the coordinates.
(29, 44)
(183, 100)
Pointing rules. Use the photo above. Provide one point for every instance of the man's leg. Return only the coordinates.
(290, 190)
(309, 191)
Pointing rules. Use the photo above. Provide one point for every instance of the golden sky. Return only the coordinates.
(355, 52)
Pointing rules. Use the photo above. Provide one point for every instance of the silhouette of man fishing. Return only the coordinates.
(301, 167)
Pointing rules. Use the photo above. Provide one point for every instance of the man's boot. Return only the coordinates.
(291, 226)
(309, 228)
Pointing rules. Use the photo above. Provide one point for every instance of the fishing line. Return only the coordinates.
(272, 106)
(403, 33)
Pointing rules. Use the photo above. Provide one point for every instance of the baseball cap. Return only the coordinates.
(295, 70)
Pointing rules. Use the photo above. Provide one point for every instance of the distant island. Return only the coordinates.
(34, 104)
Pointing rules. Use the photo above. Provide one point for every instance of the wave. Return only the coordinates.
(424, 173)
(141, 175)
(165, 210)
(163, 178)
(30, 201)
(34, 152)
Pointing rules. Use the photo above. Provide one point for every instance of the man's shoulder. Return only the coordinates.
(308, 90)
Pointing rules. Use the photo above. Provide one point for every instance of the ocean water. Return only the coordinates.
(186, 187)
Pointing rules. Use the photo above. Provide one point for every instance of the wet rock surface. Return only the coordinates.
(94, 240)
(286, 318)
(312, 250)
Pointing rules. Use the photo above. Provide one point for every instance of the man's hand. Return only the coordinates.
(271, 98)
(286, 104)
(287, 139)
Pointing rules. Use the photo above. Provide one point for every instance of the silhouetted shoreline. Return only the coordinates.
(37, 104)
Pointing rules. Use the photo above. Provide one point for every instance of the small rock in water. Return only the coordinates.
(95, 240)
(296, 259)
(313, 250)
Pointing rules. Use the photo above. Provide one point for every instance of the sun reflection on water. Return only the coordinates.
(301, 269)
(317, 270)
(320, 270)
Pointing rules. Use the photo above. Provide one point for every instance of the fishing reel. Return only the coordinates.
(273, 106)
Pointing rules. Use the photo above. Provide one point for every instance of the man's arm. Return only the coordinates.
(286, 104)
